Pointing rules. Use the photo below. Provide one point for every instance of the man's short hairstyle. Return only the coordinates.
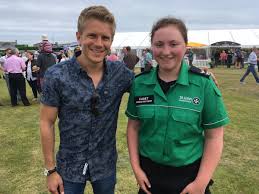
(14, 51)
(98, 12)
(8, 49)
(147, 49)
(128, 48)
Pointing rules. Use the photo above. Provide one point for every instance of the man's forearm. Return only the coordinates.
(48, 144)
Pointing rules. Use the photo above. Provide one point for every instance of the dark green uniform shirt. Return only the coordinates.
(173, 124)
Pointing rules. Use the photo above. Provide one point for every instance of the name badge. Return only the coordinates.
(144, 99)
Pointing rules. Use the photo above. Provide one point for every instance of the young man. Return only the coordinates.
(14, 66)
(85, 93)
(46, 57)
(252, 60)
(130, 59)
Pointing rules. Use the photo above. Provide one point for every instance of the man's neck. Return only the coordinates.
(94, 70)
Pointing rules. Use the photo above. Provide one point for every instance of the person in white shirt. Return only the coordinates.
(2, 61)
(31, 74)
(252, 60)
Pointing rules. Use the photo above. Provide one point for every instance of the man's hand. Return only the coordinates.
(206, 70)
(55, 183)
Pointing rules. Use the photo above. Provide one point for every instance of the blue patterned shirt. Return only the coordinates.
(87, 148)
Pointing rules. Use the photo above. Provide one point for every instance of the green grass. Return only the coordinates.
(21, 161)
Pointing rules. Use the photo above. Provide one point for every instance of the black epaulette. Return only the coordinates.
(199, 71)
(143, 72)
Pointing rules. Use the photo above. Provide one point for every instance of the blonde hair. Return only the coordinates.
(98, 12)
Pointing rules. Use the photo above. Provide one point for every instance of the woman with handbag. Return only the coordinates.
(31, 74)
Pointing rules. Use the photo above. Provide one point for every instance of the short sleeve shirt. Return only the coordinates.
(87, 148)
(148, 58)
(172, 124)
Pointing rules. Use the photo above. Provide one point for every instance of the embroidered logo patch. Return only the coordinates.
(185, 99)
(144, 99)
(190, 100)
(196, 100)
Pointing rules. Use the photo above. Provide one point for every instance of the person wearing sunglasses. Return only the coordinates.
(84, 92)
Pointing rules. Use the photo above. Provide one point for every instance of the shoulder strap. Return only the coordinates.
(144, 72)
(198, 71)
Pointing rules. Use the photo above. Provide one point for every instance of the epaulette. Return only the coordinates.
(199, 71)
(143, 72)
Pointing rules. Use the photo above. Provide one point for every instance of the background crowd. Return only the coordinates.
(19, 67)
(30, 66)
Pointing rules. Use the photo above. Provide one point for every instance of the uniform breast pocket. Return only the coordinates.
(185, 123)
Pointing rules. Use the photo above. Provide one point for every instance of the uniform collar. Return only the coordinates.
(183, 77)
(151, 79)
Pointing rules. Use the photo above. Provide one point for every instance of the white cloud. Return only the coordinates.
(26, 20)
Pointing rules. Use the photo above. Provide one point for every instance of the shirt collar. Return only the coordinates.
(80, 70)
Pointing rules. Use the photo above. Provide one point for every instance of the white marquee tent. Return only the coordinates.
(247, 38)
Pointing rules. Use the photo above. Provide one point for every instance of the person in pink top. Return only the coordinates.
(223, 57)
(113, 56)
(15, 66)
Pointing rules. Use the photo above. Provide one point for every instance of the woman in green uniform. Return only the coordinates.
(176, 117)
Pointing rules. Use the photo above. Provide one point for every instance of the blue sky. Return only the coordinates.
(25, 21)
